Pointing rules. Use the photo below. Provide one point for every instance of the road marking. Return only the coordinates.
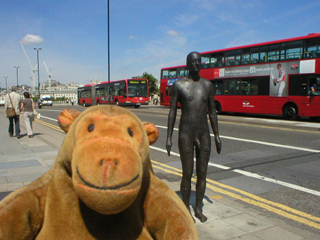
(292, 123)
(252, 175)
(252, 199)
(259, 142)
(52, 119)
(270, 144)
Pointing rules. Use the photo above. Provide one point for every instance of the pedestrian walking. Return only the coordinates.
(12, 100)
(27, 107)
(155, 99)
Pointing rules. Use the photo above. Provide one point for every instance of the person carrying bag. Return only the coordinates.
(12, 106)
(11, 112)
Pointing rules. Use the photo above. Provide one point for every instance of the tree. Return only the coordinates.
(153, 82)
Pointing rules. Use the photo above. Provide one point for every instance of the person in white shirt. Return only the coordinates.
(15, 98)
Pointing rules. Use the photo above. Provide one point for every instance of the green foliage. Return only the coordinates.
(60, 99)
(153, 83)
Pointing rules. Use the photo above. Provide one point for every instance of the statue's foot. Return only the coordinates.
(200, 216)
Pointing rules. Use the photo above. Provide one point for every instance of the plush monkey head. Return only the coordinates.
(106, 152)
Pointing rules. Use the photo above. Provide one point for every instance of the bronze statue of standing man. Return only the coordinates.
(195, 95)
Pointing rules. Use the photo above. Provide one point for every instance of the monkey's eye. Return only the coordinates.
(91, 127)
(130, 132)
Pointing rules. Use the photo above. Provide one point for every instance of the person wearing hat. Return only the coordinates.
(13, 100)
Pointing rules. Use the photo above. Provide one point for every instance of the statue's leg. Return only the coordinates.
(186, 156)
(203, 155)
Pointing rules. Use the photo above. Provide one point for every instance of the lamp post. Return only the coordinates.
(37, 49)
(17, 68)
(108, 51)
(6, 83)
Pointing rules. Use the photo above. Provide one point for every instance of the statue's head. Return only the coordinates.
(194, 62)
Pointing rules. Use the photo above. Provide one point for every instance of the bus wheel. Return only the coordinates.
(290, 112)
(218, 107)
(136, 106)
(84, 104)
(117, 103)
(98, 103)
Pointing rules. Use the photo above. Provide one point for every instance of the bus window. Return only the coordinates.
(312, 49)
(253, 87)
(100, 92)
(182, 72)
(209, 61)
(220, 59)
(314, 83)
(232, 57)
(137, 89)
(86, 93)
(218, 87)
(229, 87)
(269, 53)
(263, 54)
(250, 55)
(273, 53)
(205, 61)
(291, 50)
(165, 74)
(254, 57)
(122, 89)
(116, 89)
(245, 58)
(172, 73)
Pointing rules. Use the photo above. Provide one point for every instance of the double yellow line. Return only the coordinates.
(49, 125)
(252, 199)
(220, 188)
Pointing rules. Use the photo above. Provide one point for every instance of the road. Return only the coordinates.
(266, 163)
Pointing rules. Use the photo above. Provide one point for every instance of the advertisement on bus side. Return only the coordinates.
(278, 73)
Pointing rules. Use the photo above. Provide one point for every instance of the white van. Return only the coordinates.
(46, 100)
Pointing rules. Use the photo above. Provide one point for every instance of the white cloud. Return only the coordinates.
(31, 39)
(173, 33)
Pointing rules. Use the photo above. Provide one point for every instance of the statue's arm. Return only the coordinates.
(172, 117)
(214, 120)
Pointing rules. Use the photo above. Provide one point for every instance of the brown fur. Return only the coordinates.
(101, 186)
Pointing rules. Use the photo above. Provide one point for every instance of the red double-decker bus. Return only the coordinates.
(127, 92)
(278, 77)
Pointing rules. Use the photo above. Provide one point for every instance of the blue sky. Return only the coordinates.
(146, 35)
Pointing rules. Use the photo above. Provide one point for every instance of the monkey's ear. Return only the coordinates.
(66, 118)
(152, 132)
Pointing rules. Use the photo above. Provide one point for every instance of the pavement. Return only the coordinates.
(24, 160)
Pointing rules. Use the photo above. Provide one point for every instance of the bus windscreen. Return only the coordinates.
(137, 88)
